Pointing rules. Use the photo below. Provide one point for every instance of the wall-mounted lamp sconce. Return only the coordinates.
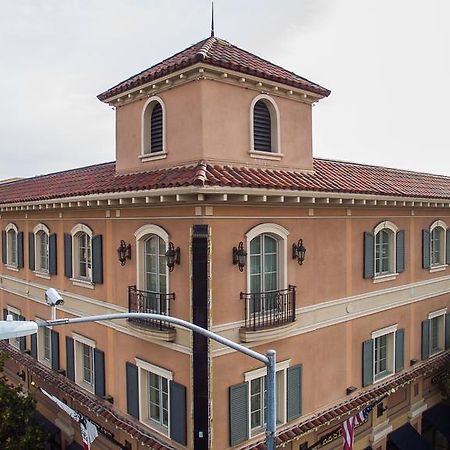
(240, 256)
(351, 389)
(413, 361)
(172, 256)
(124, 252)
(299, 251)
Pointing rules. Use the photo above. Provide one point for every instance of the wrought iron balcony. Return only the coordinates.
(150, 302)
(269, 309)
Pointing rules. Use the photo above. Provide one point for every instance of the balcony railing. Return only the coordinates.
(269, 309)
(150, 302)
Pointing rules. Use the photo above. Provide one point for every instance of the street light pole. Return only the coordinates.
(269, 359)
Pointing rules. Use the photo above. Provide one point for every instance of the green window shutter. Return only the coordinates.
(367, 362)
(399, 350)
(20, 249)
(369, 258)
(294, 392)
(31, 262)
(52, 255)
(178, 413)
(23, 341)
(132, 390)
(426, 249)
(4, 254)
(70, 358)
(448, 246)
(5, 313)
(68, 255)
(97, 259)
(447, 331)
(34, 345)
(426, 339)
(99, 372)
(400, 251)
(55, 349)
(238, 413)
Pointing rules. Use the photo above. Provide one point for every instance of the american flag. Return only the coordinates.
(349, 425)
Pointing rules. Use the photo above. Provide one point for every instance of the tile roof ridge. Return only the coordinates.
(374, 166)
(202, 53)
(201, 173)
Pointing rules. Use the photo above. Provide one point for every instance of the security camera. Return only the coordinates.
(53, 298)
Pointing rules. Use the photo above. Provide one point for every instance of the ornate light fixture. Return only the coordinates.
(240, 256)
(172, 256)
(124, 252)
(298, 251)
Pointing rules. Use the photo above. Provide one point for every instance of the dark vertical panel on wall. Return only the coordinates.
(447, 331)
(448, 246)
(4, 257)
(34, 352)
(97, 259)
(426, 249)
(369, 258)
(178, 413)
(22, 339)
(31, 262)
(99, 372)
(426, 338)
(294, 392)
(262, 127)
(399, 349)
(55, 349)
(132, 390)
(52, 255)
(400, 263)
(70, 358)
(238, 413)
(68, 255)
(367, 362)
(156, 129)
(200, 343)
(20, 249)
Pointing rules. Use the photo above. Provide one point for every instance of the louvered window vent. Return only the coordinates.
(262, 129)
(156, 129)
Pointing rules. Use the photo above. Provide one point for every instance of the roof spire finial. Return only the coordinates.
(212, 19)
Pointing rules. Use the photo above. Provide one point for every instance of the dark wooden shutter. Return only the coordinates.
(294, 392)
(22, 339)
(447, 331)
(156, 129)
(178, 413)
(369, 258)
(55, 349)
(20, 249)
(99, 372)
(97, 259)
(52, 255)
(34, 352)
(426, 249)
(448, 246)
(426, 339)
(262, 127)
(5, 313)
(132, 390)
(400, 256)
(238, 413)
(70, 358)
(399, 349)
(4, 254)
(367, 362)
(31, 259)
(68, 255)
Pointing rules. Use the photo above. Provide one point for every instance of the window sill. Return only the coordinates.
(383, 278)
(82, 283)
(438, 268)
(436, 352)
(45, 362)
(156, 426)
(86, 386)
(13, 268)
(42, 274)
(383, 376)
(265, 155)
(153, 156)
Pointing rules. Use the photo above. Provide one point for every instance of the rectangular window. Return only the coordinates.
(46, 344)
(12, 248)
(84, 362)
(437, 331)
(42, 248)
(88, 364)
(383, 352)
(16, 316)
(383, 253)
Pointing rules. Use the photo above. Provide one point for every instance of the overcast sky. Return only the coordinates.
(387, 63)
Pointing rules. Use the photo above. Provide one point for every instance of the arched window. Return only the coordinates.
(264, 118)
(155, 269)
(153, 127)
(438, 244)
(385, 248)
(11, 248)
(41, 248)
(82, 252)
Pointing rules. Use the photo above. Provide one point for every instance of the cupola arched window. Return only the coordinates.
(153, 128)
(264, 125)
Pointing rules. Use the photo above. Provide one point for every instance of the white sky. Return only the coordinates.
(387, 63)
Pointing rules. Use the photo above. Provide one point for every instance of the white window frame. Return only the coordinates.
(275, 153)
(15, 342)
(11, 264)
(392, 230)
(144, 368)
(439, 315)
(76, 278)
(442, 264)
(390, 332)
(146, 130)
(41, 346)
(141, 235)
(79, 341)
(37, 250)
(281, 380)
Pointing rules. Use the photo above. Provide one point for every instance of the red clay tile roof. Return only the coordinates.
(219, 53)
(328, 177)
(438, 363)
(93, 406)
